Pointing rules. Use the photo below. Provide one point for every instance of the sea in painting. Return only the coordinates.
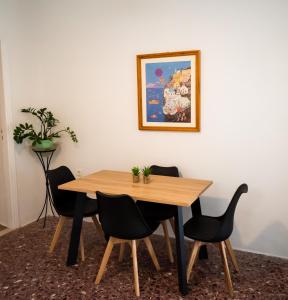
(168, 92)
(154, 104)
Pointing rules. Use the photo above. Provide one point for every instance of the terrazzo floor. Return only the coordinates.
(27, 271)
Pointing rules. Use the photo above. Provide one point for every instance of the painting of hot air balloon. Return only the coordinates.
(169, 91)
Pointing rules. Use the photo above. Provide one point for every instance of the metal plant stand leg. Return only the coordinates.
(45, 157)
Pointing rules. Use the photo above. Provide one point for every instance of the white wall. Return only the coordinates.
(78, 58)
(22, 86)
(3, 194)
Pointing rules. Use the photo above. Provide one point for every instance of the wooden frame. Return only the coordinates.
(169, 91)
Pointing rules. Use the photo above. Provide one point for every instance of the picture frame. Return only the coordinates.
(169, 91)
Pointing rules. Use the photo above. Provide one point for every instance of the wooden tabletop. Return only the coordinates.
(161, 189)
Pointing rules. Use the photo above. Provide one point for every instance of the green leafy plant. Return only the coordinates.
(47, 123)
(135, 171)
(146, 171)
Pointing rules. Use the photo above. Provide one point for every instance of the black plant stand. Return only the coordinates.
(45, 156)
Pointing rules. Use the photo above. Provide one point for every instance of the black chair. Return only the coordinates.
(161, 212)
(64, 203)
(122, 220)
(205, 229)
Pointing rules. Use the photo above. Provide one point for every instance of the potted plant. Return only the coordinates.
(146, 171)
(43, 138)
(136, 174)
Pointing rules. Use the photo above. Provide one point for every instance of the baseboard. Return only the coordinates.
(240, 249)
(259, 252)
(4, 231)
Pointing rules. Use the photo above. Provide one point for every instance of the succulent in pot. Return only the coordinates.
(42, 138)
(135, 174)
(146, 171)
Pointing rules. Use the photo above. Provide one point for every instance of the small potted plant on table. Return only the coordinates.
(136, 174)
(146, 171)
(43, 138)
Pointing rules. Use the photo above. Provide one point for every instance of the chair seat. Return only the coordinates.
(90, 208)
(204, 229)
(152, 224)
(156, 211)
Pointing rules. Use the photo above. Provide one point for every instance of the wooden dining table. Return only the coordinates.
(177, 191)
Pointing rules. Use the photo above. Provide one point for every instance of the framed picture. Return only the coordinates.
(169, 91)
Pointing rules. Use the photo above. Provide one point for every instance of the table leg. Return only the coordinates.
(180, 250)
(196, 211)
(76, 231)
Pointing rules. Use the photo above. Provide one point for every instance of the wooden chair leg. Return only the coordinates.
(226, 268)
(137, 244)
(56, 235)
(135, 268)
(168, 242)
(152, 253)
(98, 226)
(82, 247)
(232, 254)
(172, 223)
(105, 260)
(193, 257)
(121, 253)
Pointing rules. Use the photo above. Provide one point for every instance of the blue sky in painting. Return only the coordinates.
(154, 71)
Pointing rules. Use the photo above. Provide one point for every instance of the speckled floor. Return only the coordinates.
(27, 271)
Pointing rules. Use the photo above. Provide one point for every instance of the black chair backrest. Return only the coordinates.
(227, 218)
(120, 217)
(61, 198)
(164, 171)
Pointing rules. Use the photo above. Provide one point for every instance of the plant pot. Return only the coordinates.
(45, 145)
(136, 178)
(146, 179)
